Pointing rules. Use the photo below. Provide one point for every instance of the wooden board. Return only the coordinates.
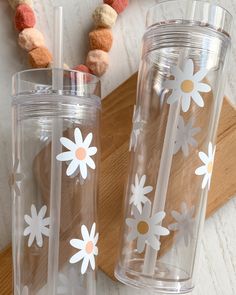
(116, 128)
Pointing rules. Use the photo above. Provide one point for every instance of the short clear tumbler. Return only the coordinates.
(55, 177)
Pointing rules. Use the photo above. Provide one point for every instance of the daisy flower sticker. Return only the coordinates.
(187, 85)
(137, 126)
(207, 168)
(16, 178)
(25, 291)
(185, 136)
(184, 223)
(139, 192)
(37, 226)
(79, 154)
(87, 247)
(146, 229)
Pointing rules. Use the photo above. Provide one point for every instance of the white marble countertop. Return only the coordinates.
(218, 260)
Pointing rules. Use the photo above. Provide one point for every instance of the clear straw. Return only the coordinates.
(56, 167)
(166, 160)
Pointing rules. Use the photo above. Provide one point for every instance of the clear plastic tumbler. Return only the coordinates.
(172, 148)
(56, 157)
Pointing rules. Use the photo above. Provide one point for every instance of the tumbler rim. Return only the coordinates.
(203, 3)
(40, 81)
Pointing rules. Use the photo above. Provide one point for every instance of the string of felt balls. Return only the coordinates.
(100, 39)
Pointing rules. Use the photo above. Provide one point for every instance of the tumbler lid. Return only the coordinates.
(36, 82)
(199, 12)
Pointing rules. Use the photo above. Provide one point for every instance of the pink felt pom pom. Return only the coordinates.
(97, 61)
(82, 68)
(118, 5)
(24, 17)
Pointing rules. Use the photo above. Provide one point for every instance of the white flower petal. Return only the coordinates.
(140, 244)
(205, 180)
(204, 157)
(146, 210)
(88, 140)
(42, 212)
(202, 87)
(92, 151)
(77, 257)
(154, 242)
(92, 232)
(85, 233)
(158, 217)
(92, 262)
(39, 239)
(74, 164)
(76, 243)
(188, 68)
(161, 231)
(186, 102)
(27, 231)
(78, 137)
(68, 143)
(83, 170)
(147, 189)
(96, 239)
(175, 96)
(174, 227)
(199, 76)
(132, 235)
(91, 163)
(66, 156)
(198, 99)
(201, 170)
(85, 264)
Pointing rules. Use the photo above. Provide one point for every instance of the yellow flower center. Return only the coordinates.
(80, 153)
(210, 167)
(89, 247)
(187, 86)
(143, 227)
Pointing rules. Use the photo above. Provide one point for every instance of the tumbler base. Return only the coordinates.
(160, 282)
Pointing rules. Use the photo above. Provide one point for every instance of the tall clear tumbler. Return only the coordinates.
(172, 147)
(56, 156)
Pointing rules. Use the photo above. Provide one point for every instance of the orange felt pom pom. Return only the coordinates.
(118, 5)
(24, 17)
(97, 61)
(40, 57)
(101, 39)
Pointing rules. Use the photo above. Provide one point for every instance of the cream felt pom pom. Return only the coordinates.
(31, 38)
(104, 16)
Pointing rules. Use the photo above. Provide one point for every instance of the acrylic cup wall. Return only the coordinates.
(172, 145)
(55, 236)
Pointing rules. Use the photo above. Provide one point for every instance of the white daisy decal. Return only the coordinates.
(137, 126)
(187, 85)
(79, 153)
(87, 247)
(185, 136)
(207, 168)
(139, 192)
(16, 178)
(146, 229)
(185, 223)
(69, 284)
(37, 226)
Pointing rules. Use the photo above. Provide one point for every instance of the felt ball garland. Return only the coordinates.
(100, 39)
